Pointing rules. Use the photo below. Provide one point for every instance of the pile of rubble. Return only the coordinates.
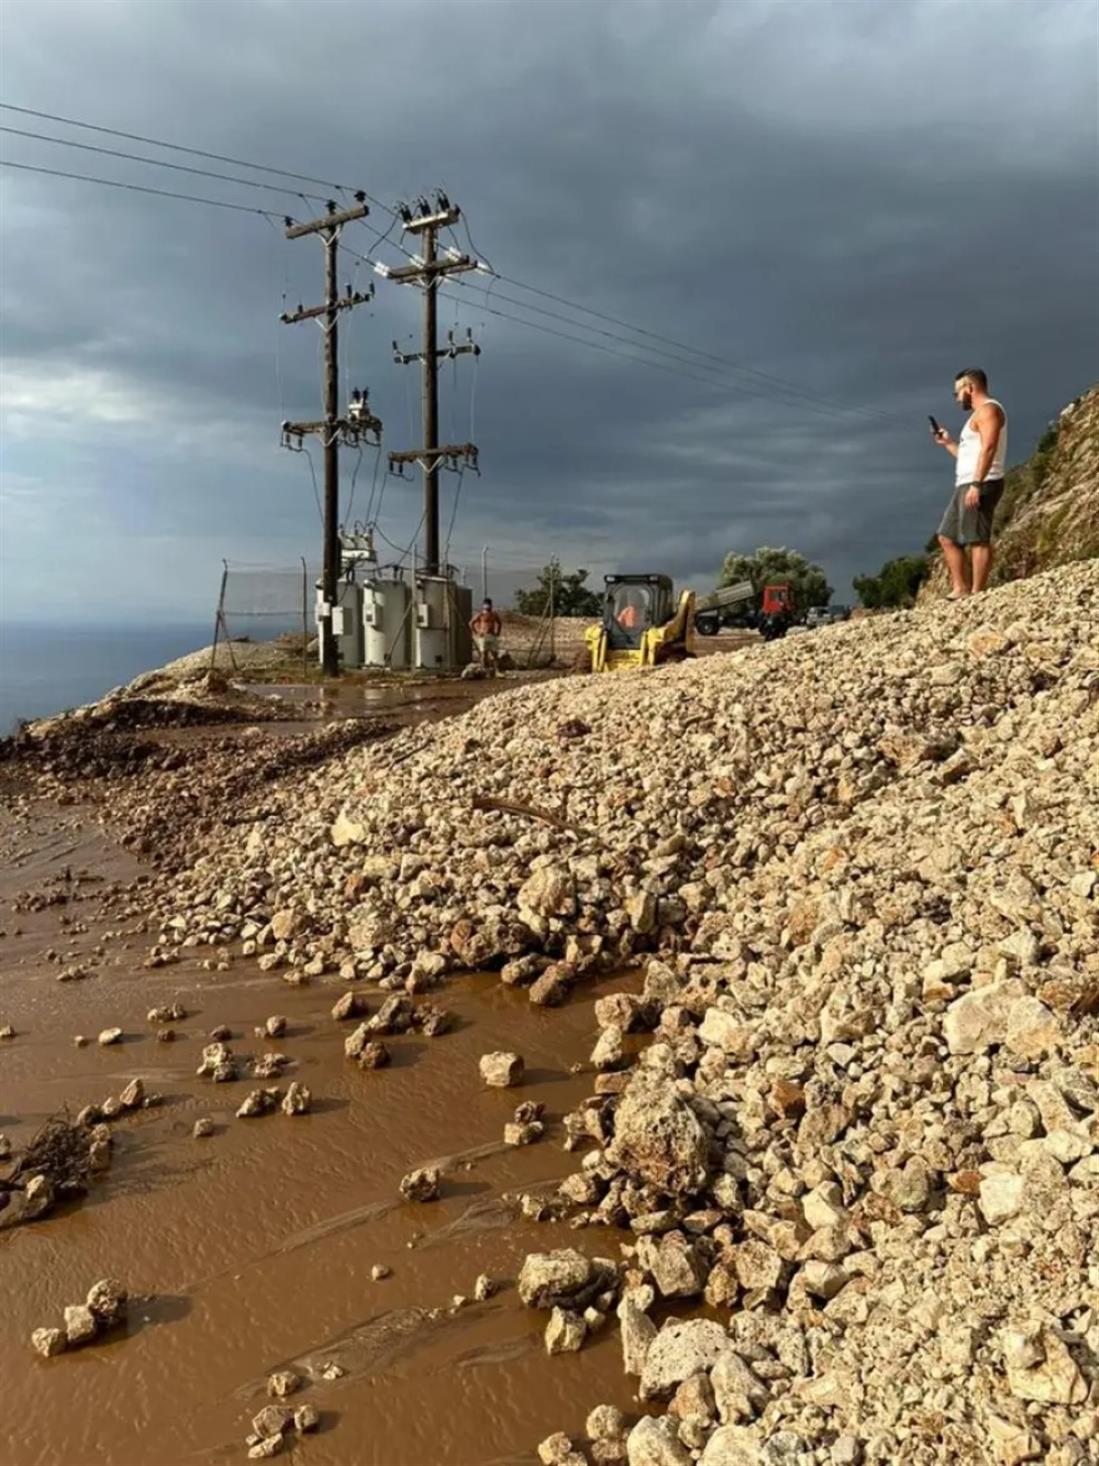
(181, 695)
(276, 1424)
(585, 821)
(58, 1163)
(862, 870)
(168, 801)
(103, 1309)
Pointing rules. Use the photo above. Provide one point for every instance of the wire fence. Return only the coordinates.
(535, 634)
(265, 614)
(266, 605)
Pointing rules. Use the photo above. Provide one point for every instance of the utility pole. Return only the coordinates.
(428, 272)
(555, 576)
(332, 429)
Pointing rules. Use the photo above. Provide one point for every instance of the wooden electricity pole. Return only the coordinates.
(428, 273)
(332, 429)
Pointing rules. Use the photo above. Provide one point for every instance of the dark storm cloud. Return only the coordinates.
(856, 198)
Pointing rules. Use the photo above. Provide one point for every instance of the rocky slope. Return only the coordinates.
(861, 1123)
(1049, 514)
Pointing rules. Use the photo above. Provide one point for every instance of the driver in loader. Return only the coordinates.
(632, 615)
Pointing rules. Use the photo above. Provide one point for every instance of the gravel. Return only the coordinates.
(859, 872)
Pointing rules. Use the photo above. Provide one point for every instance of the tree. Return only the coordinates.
(895, 584)
(767, 566)
(570, 596)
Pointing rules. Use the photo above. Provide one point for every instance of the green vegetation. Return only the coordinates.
(769, 566)
(895, 584)
(567, 594)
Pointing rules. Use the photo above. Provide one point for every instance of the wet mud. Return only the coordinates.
(252, 1250)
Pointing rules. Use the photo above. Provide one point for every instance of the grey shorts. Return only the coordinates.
(972, 526)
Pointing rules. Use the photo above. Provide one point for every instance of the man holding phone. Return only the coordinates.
(980, 454)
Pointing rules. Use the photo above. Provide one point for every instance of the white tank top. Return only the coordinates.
(969, 451)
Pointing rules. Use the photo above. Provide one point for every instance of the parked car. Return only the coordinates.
(826, 615)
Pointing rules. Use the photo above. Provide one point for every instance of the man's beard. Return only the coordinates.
(967, 401)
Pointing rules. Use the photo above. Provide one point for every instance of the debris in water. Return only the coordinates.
(421, 1185)
(501, 1070)
(282, 1383)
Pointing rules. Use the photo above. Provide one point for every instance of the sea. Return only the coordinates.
(46, 669)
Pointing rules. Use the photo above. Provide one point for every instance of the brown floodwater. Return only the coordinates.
(400, 701)
(252, 1250)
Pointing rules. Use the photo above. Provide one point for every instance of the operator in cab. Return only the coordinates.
(632, 615)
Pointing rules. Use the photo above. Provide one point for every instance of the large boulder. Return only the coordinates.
(732, 1445)
(549, 891)
(658, 1137)
(655, 1442)
(680, 1349)
(556, 1279)
(739, 1393)
(674, 1261)
(979, 1019)
(501, 1070)
(346, 831)
(637, 1330)
(1040, 1367)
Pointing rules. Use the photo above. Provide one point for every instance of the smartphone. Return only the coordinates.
(934, 425)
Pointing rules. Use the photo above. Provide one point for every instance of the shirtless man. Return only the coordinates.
(486, 627)
(980, 455)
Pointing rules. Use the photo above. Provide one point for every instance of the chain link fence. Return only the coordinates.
(544, 639)
(267, 605)
(265, 614)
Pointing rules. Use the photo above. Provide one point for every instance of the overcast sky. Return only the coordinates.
(850, 196)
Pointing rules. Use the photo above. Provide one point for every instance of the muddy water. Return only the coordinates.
(394, 701)
(253, 1250)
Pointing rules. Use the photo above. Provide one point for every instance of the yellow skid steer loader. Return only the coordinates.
(643, 624)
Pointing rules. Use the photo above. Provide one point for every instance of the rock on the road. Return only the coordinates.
(422, 1184)
(501, 1070)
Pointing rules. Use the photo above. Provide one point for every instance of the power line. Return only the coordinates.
(772, 380)
(711, 379)
(136, 137)
(158, 163)
(139, 188)
(682, 346)
(581, 340)
(406, 550)
(354, 480)
(454, 514)
(374, 484)
(767, 378)
(313, 476)
(796, 396)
